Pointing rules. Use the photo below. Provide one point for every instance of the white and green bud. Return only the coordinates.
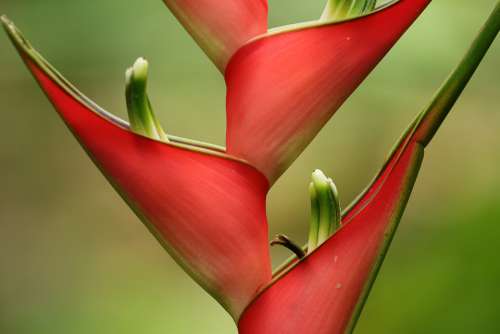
(325, 209)
(344, 9)
(141, 116)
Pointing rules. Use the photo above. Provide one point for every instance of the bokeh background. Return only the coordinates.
(74, 259)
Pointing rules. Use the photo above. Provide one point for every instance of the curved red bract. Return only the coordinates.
(220, 27)
(320, 295)
(283, 87)
(207, 210)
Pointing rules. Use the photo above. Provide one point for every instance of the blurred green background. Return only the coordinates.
(74, 259)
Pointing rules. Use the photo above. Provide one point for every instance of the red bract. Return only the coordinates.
(220, 27)
(205, 207)
(284, 86)
(325, 292)
(320, 294)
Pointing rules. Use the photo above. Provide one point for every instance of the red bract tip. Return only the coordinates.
(205, 207)
(283, 87)
(220, 27)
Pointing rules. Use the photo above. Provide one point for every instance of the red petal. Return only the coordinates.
(221, 26)
(206, 208)
(320, 294)
(282, 88)
(325, 292)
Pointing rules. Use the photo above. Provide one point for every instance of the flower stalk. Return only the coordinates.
(284, 241)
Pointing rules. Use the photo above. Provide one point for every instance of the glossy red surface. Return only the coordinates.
(320, 294)
(208, 211)
(284, 87)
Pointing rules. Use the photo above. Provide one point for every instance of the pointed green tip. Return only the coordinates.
(17, 37)
(5, 21)
(9, 27)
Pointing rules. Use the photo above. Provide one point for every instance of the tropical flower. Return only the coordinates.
(206, 204)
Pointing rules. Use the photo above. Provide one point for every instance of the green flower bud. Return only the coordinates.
(344, 9)
(142, 118)
(325, 209)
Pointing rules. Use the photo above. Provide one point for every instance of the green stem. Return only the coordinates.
(450, 91)
(284, 241)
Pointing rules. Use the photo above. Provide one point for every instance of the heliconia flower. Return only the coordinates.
(285, 85)
(324, 292)
(205, 207)
(220, 27)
